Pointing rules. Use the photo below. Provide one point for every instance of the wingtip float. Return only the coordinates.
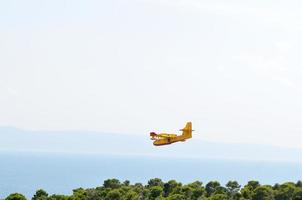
(167, 138)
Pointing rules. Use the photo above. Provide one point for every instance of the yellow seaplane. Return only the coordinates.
(166, 138)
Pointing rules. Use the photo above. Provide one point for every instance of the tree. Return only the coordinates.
(299, 184)
(138, 188)
(276, 186)
(131, 195)
(297, 195)
(197, 192)
(160, 198)
(220, 190)
(57, 197)
(176, 197)
(248, 190)
(114, 195)
(155, 182)
(211, 187)
(219, 197)
(170, 186)
(263, 193)
(40, 195)
(93, 194)
(15, 196)
(126, 183)
(253, 184)
(112, 183)
(79, 194)
(101, 192)
(196, 184)
(233, 187)
(155, 191)
(187, 191)
(197, 189)
(285, 191)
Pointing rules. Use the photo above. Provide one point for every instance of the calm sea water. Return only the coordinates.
(57, 173)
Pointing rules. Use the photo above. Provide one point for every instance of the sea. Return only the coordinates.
(26, 172)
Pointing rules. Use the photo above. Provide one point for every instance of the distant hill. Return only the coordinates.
(12, 139)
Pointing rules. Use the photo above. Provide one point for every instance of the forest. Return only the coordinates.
(156, 189)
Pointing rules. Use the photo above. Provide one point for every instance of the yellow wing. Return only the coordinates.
(166, 135)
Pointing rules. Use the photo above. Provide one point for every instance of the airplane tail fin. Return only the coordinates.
(187, 130)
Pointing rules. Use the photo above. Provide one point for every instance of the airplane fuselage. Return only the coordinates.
(166, 138)
(167, 141)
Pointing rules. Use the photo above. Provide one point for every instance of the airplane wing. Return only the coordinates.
(166, 135)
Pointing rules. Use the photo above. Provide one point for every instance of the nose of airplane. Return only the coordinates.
(153, 134)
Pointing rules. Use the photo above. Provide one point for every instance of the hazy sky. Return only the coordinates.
(233, 69)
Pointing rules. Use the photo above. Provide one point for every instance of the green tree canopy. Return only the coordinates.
(58, 197)
(155, 191)
(263, 193)
(297, 195)
(219, 197)
(176, 197)
(155, 182)
(79, 194)
(211, 187)
(15, 196)
(285, 191)
(170, 186)
(131, 195)
(232, 187)
(112, 183)
(40, 195)
(114, 195)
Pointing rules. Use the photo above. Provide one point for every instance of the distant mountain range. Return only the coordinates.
(12, 139)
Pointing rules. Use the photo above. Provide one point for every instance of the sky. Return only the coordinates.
(232, 68)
